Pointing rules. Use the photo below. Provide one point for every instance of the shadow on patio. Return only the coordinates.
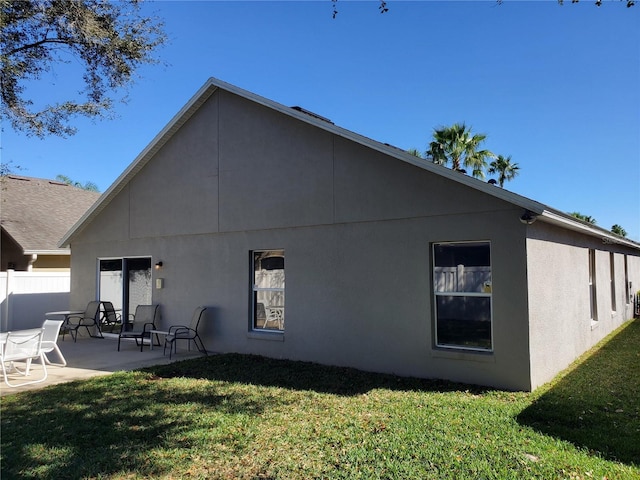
(90, 357)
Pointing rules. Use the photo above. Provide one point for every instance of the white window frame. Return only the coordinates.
(488, 293)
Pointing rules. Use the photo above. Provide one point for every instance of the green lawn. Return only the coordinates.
(233, 416)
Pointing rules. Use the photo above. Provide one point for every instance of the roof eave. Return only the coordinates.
(565, 221)
(58, 251)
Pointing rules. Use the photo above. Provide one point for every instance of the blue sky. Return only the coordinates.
(557, 88)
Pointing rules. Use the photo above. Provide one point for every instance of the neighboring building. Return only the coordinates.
(34, 215)
(393, 264)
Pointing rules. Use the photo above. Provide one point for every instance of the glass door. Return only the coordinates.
(138, 283)
(125, 282)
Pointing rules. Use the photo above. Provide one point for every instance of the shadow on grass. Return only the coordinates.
(107, 426)
(296, 375)
(596, 406)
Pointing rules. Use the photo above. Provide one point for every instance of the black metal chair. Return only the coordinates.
(109, 319)
(90, 318)
(144, 321)
(188, 333)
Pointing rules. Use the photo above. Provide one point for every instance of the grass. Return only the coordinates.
(234, 416)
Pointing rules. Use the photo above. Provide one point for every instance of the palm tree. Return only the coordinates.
(415, 152)
(90, 186)
(504, 168)
(618, 230)
(459, 147)
(584, 218)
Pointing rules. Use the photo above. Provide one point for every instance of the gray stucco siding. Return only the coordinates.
(178, 191)
(275, 171)
(357, 227)
(370, 186)
(113, 224)
(358, 294)
(560, 326)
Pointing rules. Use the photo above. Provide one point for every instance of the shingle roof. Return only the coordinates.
(37, 212)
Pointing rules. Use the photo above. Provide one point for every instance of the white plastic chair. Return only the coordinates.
(23, 346)
(50, 332)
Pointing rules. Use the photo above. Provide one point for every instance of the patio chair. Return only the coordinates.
(90, 318)
(109, 319)
(275, 315)
(50, 332)
(184, 332)
(22, 346)
(144, 320)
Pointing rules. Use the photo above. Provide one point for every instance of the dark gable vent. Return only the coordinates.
(311, 114)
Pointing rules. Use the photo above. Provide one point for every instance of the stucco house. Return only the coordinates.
(34, 215)
(392, 264)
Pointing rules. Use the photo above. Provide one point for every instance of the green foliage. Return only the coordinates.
(618, 230)
(7, 168)
(458, 146)
(109, 39)
(415, 152)
(584, 218)
(504, 168)
(90, 186)
(237, 416)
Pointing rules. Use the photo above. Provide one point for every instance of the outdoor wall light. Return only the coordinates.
(158, 265)
(528, 217)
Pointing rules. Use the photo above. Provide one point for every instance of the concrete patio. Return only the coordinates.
(90, 357)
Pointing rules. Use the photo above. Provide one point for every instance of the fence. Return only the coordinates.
(26, 296)
(462, 279)
(636, 305)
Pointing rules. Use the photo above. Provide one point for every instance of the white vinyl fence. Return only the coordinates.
(462, 279)
(26, 296)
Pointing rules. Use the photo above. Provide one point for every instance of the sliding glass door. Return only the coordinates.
(138, 278)
(125, 282)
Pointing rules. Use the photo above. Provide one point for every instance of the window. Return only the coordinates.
(592, 285)
(627, 288)
(462, 295)
(612, 271)
(267, 300)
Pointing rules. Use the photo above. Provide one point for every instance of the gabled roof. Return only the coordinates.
(538, 210)
(36, 212)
